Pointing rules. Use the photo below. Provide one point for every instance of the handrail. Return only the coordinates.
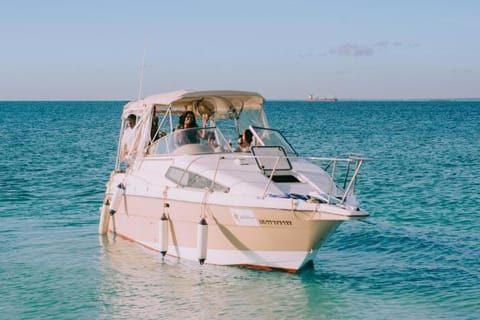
(271, 176)
(212, 185)
(332, 181)
(352, 180)
(341, 193)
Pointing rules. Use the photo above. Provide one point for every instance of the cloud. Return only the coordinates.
(462, 70)
(352, 50)
(355, 50)
(384, 44)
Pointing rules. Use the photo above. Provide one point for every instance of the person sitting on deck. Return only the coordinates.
(245, 141)
(187, 121)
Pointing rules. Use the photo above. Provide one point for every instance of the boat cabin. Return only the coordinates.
(228, 114)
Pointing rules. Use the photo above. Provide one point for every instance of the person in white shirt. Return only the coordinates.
(128, 138)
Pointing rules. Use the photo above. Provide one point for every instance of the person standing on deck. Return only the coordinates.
(128, 138)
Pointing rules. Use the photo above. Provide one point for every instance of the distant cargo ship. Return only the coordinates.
(313, 98)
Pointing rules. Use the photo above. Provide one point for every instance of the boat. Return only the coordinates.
(266, 207)
(311, 97)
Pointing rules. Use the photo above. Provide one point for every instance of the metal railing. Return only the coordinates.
(352, 165)
(341, 172)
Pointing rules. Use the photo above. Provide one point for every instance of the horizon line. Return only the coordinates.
(268, 99)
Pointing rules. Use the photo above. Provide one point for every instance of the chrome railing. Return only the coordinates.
(342, 173)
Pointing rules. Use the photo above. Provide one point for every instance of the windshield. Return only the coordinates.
(191, 141)
(271, 138)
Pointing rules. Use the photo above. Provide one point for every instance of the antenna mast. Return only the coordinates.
(141, 75)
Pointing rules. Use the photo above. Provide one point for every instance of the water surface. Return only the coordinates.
(415, 257)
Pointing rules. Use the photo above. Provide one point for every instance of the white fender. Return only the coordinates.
(163, 234)
(104, 220)
(202, 234)
(117, 197)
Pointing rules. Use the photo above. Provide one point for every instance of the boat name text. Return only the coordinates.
(275, 222)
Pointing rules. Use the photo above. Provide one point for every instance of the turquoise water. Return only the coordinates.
(416, 256)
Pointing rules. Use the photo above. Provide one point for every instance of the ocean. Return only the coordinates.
(416, 257)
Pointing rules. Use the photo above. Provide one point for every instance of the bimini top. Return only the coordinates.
(244, 108)
(219, 103)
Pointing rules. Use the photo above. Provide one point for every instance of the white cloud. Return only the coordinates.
(355, 50)
(352, 50)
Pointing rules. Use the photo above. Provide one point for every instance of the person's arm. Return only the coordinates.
(202, 132)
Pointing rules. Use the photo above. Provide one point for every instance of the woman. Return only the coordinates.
(187, 121)
(244, 141)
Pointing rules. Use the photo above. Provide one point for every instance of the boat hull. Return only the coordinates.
(263, 238)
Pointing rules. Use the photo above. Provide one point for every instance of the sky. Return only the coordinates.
(357, 49)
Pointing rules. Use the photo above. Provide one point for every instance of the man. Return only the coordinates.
(128, 138)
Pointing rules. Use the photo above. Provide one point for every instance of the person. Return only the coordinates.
(211, 141)
(128, 138)
(244, 141)
(154, 129)
(187, 121)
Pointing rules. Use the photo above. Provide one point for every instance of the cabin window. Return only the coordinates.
(192, 180)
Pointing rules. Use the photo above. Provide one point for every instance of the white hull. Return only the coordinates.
(284, 260)
(263, 238)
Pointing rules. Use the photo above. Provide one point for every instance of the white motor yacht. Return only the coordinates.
(192, 193)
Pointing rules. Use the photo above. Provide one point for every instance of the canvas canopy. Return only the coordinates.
(219, 104)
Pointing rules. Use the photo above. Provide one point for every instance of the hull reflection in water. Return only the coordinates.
(138, 284)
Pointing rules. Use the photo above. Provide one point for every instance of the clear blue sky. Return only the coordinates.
(282, 49)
